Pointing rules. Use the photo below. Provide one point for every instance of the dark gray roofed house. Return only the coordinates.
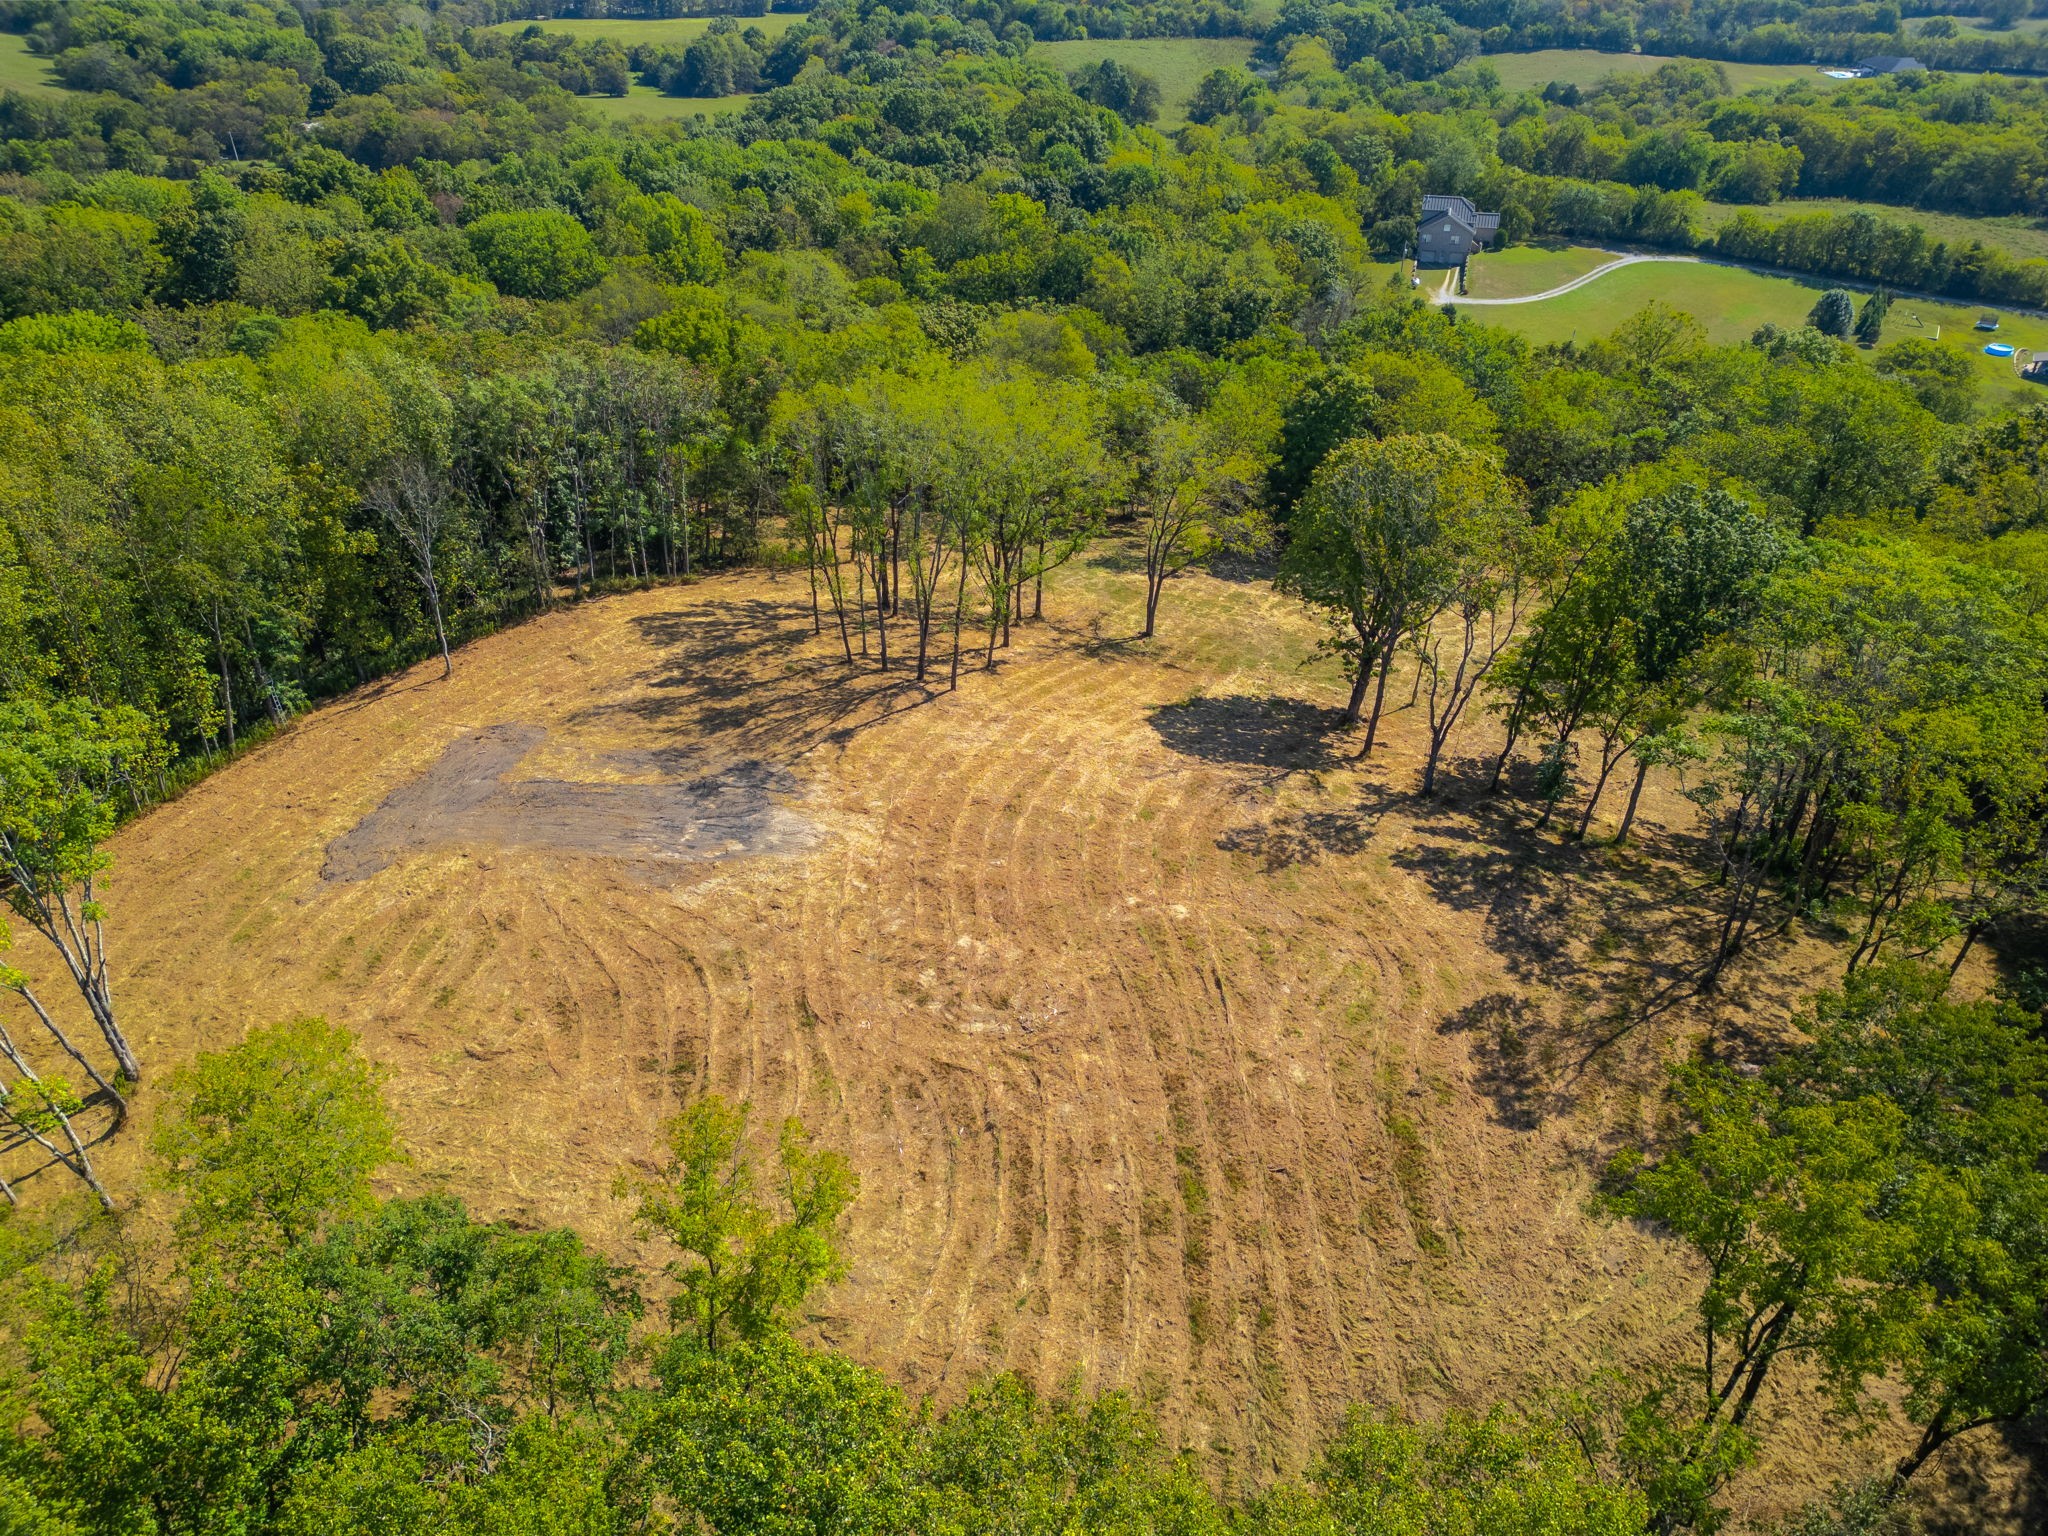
(1451, 230)
(1888, 64)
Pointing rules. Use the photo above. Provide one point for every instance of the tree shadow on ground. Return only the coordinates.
(1241, 569)
(24, 1160)
(743, 678)
(1967, 1490)
(1301, 838)
(1120, 561)
(1246, 731)
(1504, 1028)
(1612, 939)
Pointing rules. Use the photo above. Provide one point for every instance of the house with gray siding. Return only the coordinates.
(1451, 230)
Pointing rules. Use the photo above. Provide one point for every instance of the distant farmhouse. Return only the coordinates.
(1886, 64)
(1452, 229)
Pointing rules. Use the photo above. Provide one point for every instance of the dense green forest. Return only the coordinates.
(332, 337)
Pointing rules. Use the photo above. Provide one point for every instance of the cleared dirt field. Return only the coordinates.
(1174, 1050)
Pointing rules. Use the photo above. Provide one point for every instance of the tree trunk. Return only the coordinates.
(70, 1049)
(227, 691)
(1970, 937)
(271, 703)
(1506, 751)
(1379, 697)
(440, 630)
(1355, 707)
(882, 612)
(1635, 794)
(959, 611)
(810, 570)
(1607, 762)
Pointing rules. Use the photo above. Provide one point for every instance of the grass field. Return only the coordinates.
(1732, 303)
(1177, 63)
(643, 101)
(22, 71)
(2018, 234)
(677, 32)
(1585, 66)
(1524, 269)
(1980, 26)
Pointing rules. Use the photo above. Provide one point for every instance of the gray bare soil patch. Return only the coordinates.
(467, 799)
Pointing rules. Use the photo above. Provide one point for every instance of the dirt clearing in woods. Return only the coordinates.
(1176, 1050)
(468, 799)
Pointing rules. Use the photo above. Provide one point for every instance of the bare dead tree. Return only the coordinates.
(412, 497)
(70, 921)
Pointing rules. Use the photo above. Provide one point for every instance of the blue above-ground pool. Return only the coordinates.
(1998, 349)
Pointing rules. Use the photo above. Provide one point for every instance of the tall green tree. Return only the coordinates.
(269, 1141)
(1833, 312)
(1871, 1205)
(1199, 498)
(1377, 545)
(746, 1268)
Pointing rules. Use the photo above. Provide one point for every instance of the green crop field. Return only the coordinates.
(2018, 234)
(1585, 66)
(676, 32)
(1177, 63)
(22, 71)
(1732, 303)
(1524, 269)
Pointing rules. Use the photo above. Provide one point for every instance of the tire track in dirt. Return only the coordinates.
(1069, 1126)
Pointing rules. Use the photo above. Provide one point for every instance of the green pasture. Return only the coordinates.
(1732, 303)
(676, 32)
(23, 71)
(1587, 66)
(1980, 26)
(2017, 234)
(1520, 269)
(644, 101)
(1177, 63)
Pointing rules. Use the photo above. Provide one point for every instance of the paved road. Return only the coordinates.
(1810, 279)
(1577, 282)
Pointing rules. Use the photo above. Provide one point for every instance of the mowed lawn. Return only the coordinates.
(1177, 63)
(1522, 269)
(2016, 233)
(646, 101)
(1732, 303)
(23, 71)
(677, 32)
(1980, 26)
(1587, 66)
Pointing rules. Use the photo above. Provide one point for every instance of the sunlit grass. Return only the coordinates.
(1177, 63)
(23, 71)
